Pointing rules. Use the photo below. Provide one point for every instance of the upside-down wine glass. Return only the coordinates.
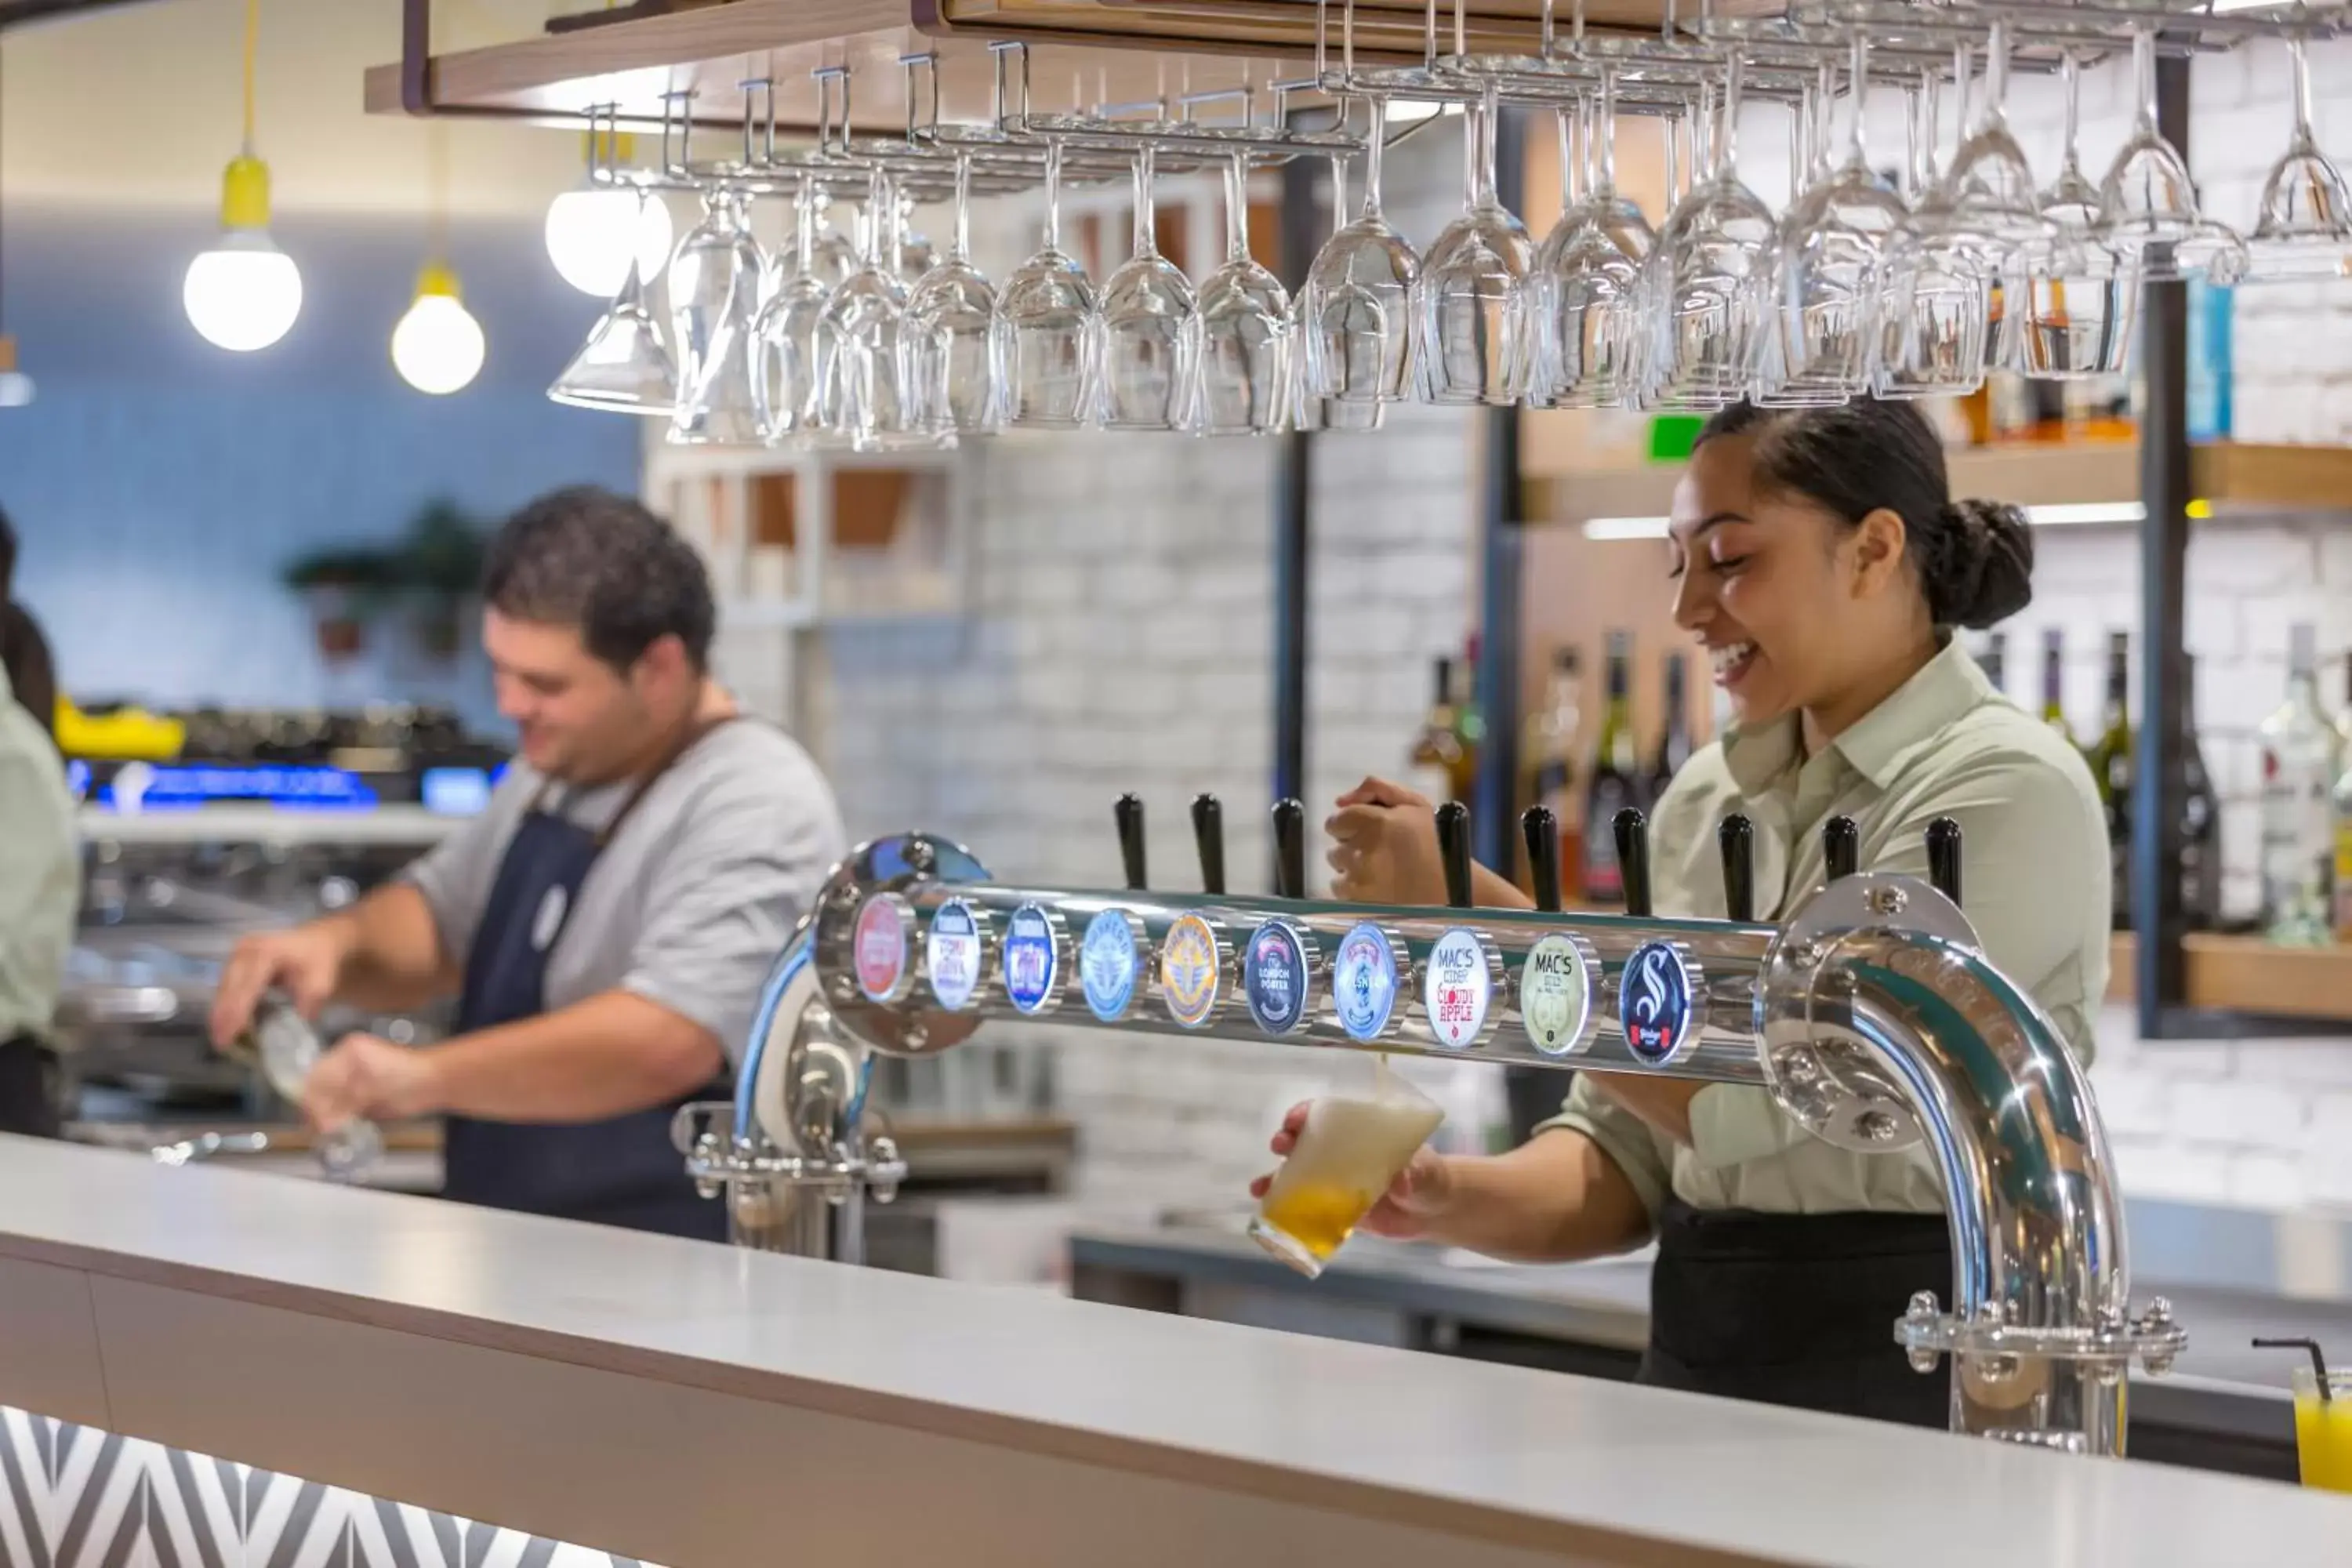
(2081, 294)
(860, 336)
(787, 382)
(715, 281)
(951, 341)
(1046, 320)
(624, 366)
(1588, 280)
(1148, 328)
(2148, 204)
(1938, 312)
(1355, 306)
(1243, 384)
(1473, 311)
(1830, 281)
(1702, 278)
(2304, 226)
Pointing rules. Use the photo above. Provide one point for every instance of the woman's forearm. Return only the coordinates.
(1554, 1199)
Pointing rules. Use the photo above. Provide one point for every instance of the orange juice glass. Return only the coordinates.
(1349, 1152)
(2323, 1430)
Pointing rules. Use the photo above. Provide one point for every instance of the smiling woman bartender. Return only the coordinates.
(1818, 557)
(607, 923)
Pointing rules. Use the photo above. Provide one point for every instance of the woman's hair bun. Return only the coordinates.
(1978, 566)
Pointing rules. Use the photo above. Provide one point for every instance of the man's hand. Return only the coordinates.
(305, 963)
(367, 1077)
(1384, 846)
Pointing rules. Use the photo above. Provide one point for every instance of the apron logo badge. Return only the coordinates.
(548, 923)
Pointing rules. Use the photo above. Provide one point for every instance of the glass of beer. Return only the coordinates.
(2323, 1429)
(1350, 1149)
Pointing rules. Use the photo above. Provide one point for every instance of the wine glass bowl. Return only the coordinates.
(1045, 323)
(715, 282)
(1149, 329)
(1471, 313)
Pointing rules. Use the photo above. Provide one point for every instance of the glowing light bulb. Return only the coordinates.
(594, 233)
(438, 347)
(243, 293)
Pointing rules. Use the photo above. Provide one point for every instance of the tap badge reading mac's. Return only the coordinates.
(1273, 978)
(1190, 970)
(952, 954)
(1656, 1004)
(1555, 995)
(1364, 982)
(1107, 965)
(1031, 958)
(1455, 987)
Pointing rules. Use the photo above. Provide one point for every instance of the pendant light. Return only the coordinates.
(438, 347)
(598, 230)
(16, 387)
(243, 293)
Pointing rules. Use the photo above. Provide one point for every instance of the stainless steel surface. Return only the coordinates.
(1875, 1001)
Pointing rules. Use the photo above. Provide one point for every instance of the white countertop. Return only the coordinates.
(1541, 1461)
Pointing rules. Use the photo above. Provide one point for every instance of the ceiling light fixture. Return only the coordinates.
(243, 293)
(596, 232)
(438, 347)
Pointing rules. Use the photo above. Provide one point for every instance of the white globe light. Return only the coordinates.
(594, 234)
(243, 293)
(437, 347)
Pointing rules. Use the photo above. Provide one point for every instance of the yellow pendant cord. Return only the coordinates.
(252, 46)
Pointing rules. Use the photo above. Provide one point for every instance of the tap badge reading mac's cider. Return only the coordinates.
(1273, 978)
(1031, 959)
(1554, 995)
(1190, 970)
(1107, 964)
(1455, 988)
(951, 953)
(1364, 982)
(1656, 998)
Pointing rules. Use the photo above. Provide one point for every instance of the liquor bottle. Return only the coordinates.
(1674, 735)
(1469, 728)
(2343, 890)
(1436, 749)
(1614, 778)
(2110, 757)
(1549, 742)
(1994, 661)
(2301, 757)
(2053, 682)
(2200, 818)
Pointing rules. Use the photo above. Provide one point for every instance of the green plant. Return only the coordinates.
(442, 557)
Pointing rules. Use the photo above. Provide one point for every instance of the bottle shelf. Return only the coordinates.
(2248, 974)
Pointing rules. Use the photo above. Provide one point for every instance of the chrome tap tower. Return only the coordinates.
(1871, 1016)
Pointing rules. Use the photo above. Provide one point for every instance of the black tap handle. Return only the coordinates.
(1633, 833)
(1841, 846)
(1541, 830)
(1208, 833)
(1736, 837)
(1454, 849)
(1289, 849)
(1130, 815)
(1944, 856)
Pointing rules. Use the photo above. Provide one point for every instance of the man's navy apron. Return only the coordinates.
(620, 1171)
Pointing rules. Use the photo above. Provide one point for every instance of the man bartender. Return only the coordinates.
(607, 922)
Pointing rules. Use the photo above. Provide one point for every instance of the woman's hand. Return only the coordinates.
(1384, 846)
(1411, 1206)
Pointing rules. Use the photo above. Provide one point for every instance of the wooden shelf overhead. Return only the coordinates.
(1114, 51)
(2247, 975)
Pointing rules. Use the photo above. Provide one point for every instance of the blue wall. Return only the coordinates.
(158, 485)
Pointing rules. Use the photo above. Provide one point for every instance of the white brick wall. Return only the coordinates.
(1121, 639)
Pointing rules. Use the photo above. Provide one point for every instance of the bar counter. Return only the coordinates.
(699, 1407)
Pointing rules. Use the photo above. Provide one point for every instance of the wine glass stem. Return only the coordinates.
(1606, 179)
(2303, 132)
(878, 198)
(2144, 77)
(1146, 241)
(1053, 193)
(1339, 191)
(1996, 71)
(2069, 76)
(805, 205)
(961, 238)
(1856, 157)
(1374, 146)
(1237, 208)
(1566, 158)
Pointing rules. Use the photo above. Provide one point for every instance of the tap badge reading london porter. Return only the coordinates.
(1031, 959)
(1107, 964)
(1273, 978)
(1654, 1003)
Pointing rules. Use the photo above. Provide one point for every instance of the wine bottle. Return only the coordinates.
(1613, 781)
(2301, 757)
(2053, 682)
(2110, 757)
(1469, 728)
(1674, 735)
(1436, 748)
(2200, 817)
(1549, 741)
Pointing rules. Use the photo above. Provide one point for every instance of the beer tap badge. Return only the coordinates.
(1455, 987)
(1031, 958)
(1190, 970)
(1364, 982)
(1273, 977)
(952, 954)
(1656, 1002)
(1107, 964)
(1555, 995)
(881, 949)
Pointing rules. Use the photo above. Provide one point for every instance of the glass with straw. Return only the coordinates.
(2323, 1417)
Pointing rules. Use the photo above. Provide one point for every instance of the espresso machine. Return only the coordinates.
(1870, 1015)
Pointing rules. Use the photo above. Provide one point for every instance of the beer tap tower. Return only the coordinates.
(1870, 1015)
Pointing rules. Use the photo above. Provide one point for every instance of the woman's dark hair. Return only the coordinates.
(588, 558)
(1974, 558)
(24, 651)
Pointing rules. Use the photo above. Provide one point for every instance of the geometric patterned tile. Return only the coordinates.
(75, 1497)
